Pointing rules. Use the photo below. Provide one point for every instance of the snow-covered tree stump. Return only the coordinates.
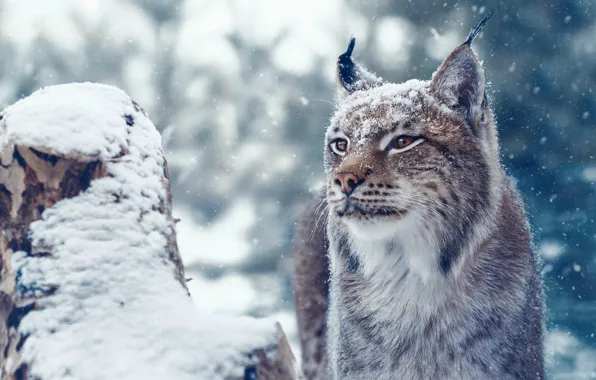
(91, 282)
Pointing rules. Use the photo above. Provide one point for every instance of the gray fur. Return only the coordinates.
(432, 270)
(311, 289)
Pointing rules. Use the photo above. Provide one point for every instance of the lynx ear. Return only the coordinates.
(350, 76)
(460, 81)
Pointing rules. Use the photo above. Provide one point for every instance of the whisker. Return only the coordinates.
(318, 220)
(324, 101)
(321, 202)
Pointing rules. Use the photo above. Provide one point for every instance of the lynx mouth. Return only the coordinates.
(352, 210)
(393, 213)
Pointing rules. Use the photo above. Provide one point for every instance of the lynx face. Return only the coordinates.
(411, 156)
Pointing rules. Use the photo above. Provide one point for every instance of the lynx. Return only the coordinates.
(417, 262)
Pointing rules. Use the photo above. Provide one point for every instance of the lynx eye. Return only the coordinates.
(402, 143)
(339, 146)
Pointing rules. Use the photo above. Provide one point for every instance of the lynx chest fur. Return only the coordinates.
(432, 271)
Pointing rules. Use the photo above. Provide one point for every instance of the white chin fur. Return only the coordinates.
(373, 230)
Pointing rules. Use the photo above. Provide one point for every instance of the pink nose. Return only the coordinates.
(347, 181)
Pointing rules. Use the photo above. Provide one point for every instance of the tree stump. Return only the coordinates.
(91, 282)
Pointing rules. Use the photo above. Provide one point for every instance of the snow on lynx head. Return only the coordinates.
(416, 156)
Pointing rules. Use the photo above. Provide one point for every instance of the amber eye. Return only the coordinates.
(403, 143)
(339, 146)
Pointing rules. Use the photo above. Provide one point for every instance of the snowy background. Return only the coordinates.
(241, 91)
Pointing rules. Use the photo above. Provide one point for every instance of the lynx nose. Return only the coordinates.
(347, 181)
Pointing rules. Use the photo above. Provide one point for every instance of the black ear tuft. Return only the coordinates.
(478, 28)
(346, 68)
(352, 77)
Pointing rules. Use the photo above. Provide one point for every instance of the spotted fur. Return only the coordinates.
(432, 274)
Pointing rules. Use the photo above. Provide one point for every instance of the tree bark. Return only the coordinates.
(33, 179)
(30, 182)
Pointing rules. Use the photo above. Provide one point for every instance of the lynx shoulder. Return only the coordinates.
(432, 273)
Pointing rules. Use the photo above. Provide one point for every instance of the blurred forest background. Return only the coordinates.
(242, 91)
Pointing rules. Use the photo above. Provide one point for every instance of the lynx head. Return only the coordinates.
(421, 155)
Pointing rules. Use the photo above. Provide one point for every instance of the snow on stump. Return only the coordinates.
(91, 282)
